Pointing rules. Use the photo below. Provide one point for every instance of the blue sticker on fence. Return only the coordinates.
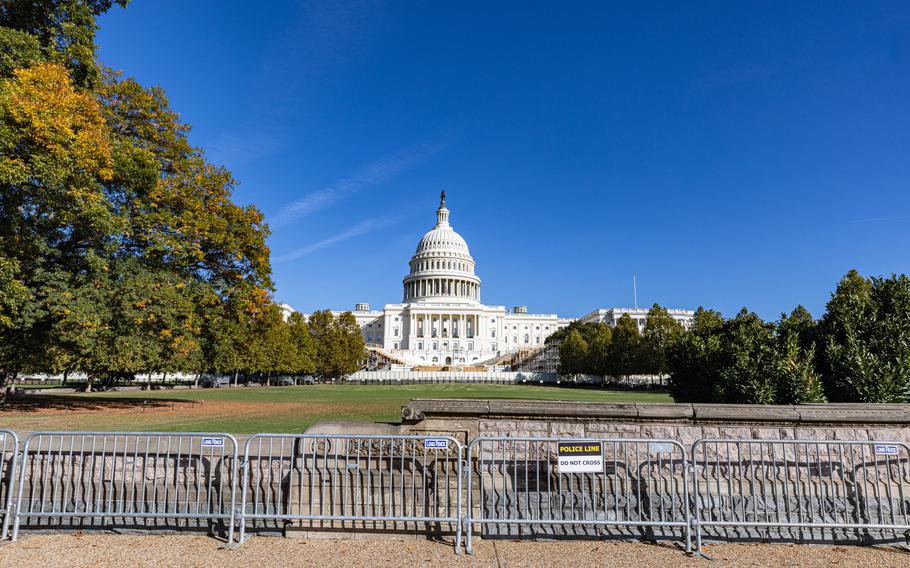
(216, 442)
(661, 447)
(885, 449)
(436, 444)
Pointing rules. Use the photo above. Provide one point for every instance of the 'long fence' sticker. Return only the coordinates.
(885, 449)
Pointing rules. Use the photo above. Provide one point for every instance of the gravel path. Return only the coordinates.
(197, 552)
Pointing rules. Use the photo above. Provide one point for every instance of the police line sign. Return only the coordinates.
(582, 456)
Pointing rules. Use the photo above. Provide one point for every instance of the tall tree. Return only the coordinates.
(625, 349)
(660, 331)
(352, 345)
(573, 354)
(104, 200)
(325, 341)
(597, 361)
(54, 155)
(302, 339)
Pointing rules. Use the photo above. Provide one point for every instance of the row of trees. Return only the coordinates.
(327, 345)
(745, 360)
(599, 349)
(859, 351)
(121, 248)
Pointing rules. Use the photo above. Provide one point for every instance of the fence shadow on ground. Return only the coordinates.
(27, 403)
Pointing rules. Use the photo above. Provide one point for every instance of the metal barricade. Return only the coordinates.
(780, 485)
(9, 452)
(343, 483)
(524, 483)
(127, 477)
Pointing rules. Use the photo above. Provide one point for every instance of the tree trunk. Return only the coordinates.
(196, 384)
(236, 376)
(4, 383)
(65, 375)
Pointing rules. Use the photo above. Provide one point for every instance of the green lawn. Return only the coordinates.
(275, 409)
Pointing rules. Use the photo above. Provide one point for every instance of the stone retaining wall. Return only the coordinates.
(686, 423)
(836, 487)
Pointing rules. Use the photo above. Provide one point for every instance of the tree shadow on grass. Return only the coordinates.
(25, 403)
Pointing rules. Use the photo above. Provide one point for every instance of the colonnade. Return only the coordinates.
(445, 326)
(449, 287)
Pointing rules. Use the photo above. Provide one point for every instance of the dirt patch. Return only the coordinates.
(195, 551)
(45, 412)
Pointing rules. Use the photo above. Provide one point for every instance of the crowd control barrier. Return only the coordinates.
(9, 452)
(544, 484)
(127, 479)
(782, 486)
(344, 484)
(352, 483)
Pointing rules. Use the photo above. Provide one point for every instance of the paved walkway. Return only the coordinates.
(62, 551)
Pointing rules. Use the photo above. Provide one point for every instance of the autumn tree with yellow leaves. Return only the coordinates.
(121, 249)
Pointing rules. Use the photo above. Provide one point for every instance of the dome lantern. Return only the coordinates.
(442, 214)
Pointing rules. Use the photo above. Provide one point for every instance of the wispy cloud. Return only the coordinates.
(879, 219)
(233, 150)
(369, 176)
(357, 230)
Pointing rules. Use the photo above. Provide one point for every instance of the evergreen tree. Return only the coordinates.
(748, 359)
(866, 337)
(694, 363)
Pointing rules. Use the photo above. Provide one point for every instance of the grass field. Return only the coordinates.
(251, 410)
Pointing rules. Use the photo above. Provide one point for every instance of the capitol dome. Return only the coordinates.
(442, 239)
(442, 269)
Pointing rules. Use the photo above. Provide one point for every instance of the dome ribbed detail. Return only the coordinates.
(442, 239)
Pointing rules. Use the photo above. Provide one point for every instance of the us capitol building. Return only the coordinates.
(441, 321)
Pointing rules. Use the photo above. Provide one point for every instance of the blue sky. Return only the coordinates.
(728, 154)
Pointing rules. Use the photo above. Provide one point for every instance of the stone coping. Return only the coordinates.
(422, 409)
